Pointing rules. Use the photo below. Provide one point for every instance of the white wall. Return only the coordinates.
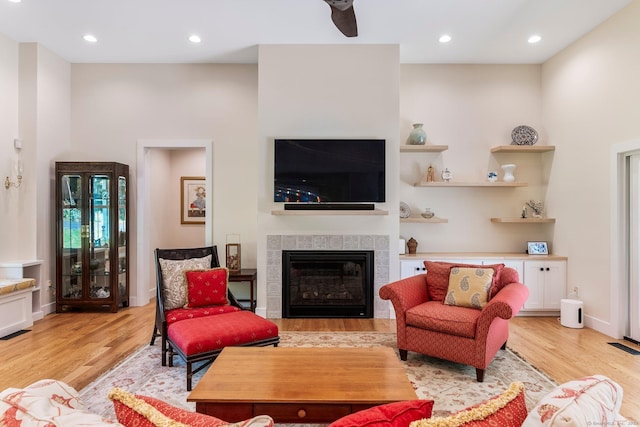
(115, 105)
(35, 107)
(471, 108)
(10, 218)
(590, 93)
(325, 91)
(165, 167)
(53, 136)
(189, 162)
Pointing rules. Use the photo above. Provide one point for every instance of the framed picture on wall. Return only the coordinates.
(537, 248)
(193, 198)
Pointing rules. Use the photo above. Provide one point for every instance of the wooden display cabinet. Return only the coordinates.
(92, 235)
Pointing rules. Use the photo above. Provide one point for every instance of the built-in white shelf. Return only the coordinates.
(329, 212)
(517, 220)
(435, 219)
(522, 148)
(470, 184)
(423, 148)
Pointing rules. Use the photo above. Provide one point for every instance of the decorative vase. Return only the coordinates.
(417, 136)
(428, 213)
(508, 172)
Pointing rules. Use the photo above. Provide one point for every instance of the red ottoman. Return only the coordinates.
(203, 338)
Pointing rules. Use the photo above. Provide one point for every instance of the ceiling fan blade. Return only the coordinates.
(344, 17)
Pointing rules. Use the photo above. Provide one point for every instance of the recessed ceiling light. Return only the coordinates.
(194, 38)
(90, 38)
(445, 38)
(534, 38)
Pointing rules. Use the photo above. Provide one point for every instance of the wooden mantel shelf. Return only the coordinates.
(423, 148)
(518, 220)
(470, 184)
(523, 148)
(329, 212)
(416, 219)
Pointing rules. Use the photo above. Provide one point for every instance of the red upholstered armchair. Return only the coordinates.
(471, 336)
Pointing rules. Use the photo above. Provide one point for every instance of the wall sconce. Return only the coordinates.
(18, 170)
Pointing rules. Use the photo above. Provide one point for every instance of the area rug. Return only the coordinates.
(452, 386)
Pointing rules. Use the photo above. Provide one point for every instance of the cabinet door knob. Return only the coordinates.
(424, 268)
(541, 268)
(417, 268)
(547, 268)
(302, 413)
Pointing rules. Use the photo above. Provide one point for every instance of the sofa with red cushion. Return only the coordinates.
(456, 312)
(589, 401)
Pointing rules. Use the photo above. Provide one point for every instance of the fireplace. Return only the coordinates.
(322, 283)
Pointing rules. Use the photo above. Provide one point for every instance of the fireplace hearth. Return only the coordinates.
(332, 284)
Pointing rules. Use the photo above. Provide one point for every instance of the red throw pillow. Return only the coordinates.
(396, 414)
(144, 411)
(508, 409)
(438, 277)
(207, 287)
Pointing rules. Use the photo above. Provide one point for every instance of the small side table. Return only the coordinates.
(246, 275)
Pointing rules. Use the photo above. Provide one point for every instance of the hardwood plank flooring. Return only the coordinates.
(565, 353)
(78, 347)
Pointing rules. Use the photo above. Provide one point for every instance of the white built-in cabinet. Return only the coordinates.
(544, 275)
(546, 281)
(26, 269)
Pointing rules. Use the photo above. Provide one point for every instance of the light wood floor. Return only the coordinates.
(78, 347)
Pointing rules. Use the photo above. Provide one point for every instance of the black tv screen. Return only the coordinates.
(329, 170)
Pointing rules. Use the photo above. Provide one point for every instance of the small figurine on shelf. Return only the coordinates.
(537, 206)
(524, 212)
(430, 174)
(446, 175)
(412, 245)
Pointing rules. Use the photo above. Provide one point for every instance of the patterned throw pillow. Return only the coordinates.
(143, 411)
(594, 400)
(174, 280)
(508, 409)
(469, 287)
(438, 277)
(47, 403)
(207, 287)
(390, 414)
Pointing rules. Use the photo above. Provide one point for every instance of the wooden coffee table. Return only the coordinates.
(300, 385)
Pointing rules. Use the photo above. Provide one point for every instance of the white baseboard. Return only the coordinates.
(48, 308)
(601, 326)
(261, 311)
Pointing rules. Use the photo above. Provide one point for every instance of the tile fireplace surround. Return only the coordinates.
(277, 243)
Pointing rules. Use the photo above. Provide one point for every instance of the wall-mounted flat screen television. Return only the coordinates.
(329, 170)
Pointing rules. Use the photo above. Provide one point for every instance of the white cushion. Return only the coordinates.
(47, 403)
(174, 281)
(588, 401)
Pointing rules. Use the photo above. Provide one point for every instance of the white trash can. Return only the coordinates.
(571, 314)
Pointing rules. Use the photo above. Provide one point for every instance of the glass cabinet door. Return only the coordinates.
(73, 234)
(122, 235)
(99, 239)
